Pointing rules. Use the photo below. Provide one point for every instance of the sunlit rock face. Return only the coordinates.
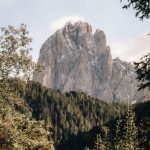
(76, 59)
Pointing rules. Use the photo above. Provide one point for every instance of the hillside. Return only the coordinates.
(18, 130)
(77, 117)
(32, 116)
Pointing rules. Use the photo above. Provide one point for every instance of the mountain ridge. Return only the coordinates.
(76, 59)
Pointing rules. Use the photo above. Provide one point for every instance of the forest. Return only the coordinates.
(76, 120)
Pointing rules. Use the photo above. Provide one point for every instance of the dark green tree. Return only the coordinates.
(142, 69)
(141, 7)
(130, 140)
(103, 143)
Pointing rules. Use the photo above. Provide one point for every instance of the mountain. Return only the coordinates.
(76, 59)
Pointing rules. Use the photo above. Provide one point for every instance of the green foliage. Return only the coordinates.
(15, 58)
(102, 143)
(129, 137)
(18, 131)
(142, 69)
(14, 52)
(142, 8)
(144, 133)
(72, 114)
(75, 118)
(128, 134)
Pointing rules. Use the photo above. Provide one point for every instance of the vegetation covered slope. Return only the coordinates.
(74, 118)
(71, 114)
(130, 132)
(18, 130)
(77, 117)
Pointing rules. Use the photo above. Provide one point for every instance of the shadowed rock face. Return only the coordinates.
(75, 59)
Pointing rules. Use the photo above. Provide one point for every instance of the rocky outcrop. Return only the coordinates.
(75, 59)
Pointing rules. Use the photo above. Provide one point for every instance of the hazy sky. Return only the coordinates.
(126, 35)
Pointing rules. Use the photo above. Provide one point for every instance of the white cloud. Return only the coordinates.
(132, 49)
(59, 23)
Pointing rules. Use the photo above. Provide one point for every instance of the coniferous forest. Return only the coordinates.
(73, 120)
(77, 119)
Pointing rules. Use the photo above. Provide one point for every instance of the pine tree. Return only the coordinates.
(144, 133)
(99, 144)
(103, 143)
(117, 139)
(129, 139)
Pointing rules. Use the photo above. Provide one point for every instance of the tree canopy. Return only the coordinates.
(15, 58)
(141, 7)
(142, 69)
(18, 130)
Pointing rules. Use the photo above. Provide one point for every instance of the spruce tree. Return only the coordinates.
(129, 139)
(103, 142)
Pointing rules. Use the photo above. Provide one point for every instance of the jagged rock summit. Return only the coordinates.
(76, 59)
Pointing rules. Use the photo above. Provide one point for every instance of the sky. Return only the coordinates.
(126, 34)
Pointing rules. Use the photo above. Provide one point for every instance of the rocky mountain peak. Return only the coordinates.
(100, 39)
(79, 25)
(75, 59)
(117, 59)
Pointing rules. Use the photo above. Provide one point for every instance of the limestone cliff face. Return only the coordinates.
(75, 59)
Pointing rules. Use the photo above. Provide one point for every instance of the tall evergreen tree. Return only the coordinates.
(130, 131)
